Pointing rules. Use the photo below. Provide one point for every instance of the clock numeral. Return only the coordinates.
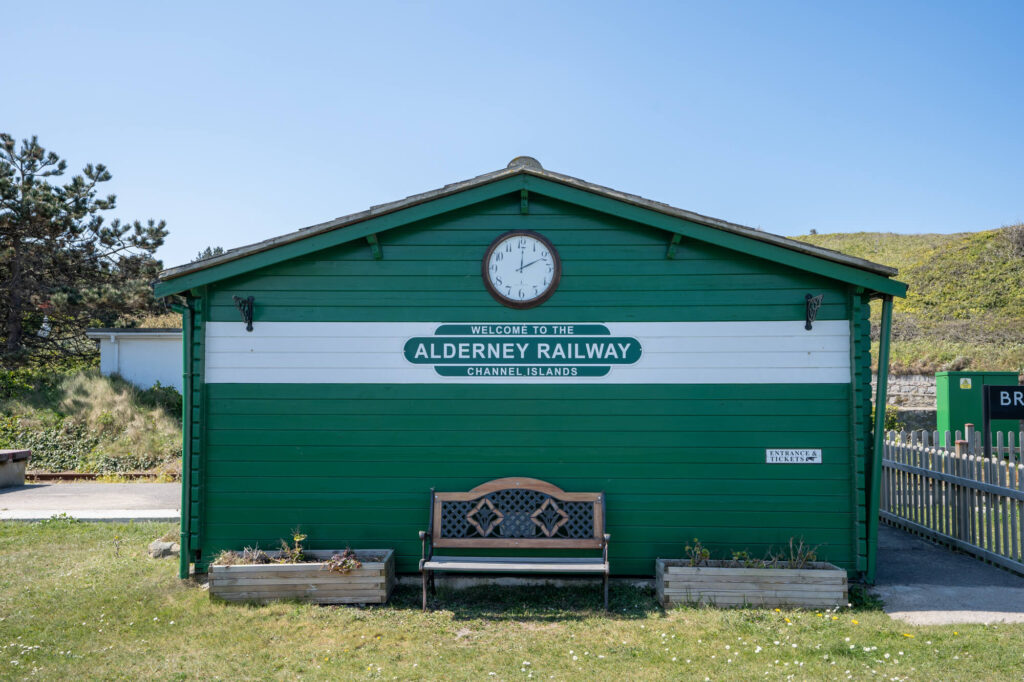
(498, 281)
(498, 256)
(543, 254)
(494, 267)
(508, 247)
(521, 294)
(509, 289)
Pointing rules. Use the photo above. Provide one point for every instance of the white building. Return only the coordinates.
(141, 356)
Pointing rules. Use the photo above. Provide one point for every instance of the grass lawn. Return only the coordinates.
(84, 601)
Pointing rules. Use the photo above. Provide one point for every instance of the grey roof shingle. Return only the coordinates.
(529, 166)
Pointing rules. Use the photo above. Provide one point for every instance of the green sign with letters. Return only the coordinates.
(526, 350)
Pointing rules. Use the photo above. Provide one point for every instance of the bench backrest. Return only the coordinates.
(517, 512)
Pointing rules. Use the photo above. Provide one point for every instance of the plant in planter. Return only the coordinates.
(792, 577)
(321, 576)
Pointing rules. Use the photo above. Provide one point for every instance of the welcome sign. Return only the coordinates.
(586, 352)
(523, 350)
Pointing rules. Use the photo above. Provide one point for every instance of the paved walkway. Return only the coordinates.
(92, 501)
(924, 583)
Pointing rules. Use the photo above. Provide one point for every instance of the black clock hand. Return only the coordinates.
(523, 267)
(521, 256)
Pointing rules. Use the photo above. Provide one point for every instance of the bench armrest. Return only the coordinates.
(424, 541)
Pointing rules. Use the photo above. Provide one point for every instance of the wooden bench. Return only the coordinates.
(514, 513)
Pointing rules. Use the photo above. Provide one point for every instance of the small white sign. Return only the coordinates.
(965, 384)
(781, 456)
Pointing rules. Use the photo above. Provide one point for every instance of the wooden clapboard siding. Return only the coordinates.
(860, 420)
(194, 433)
(445, 251)
(353, 463)
(364, 478)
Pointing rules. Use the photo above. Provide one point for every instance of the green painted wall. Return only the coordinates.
(860, 416)
(354, 463)
(193, 432)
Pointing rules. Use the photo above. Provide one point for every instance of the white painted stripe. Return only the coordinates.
(291, 345)
(673, 353)
(385, 361)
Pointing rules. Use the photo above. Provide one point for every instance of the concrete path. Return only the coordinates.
(924, 583)
(92, 501)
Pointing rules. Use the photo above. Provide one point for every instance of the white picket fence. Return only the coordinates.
(954, 494)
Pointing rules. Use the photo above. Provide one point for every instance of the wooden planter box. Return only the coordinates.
(371, 584)
(823, 586)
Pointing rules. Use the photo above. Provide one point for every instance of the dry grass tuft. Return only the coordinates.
(113, 407)
(159, 321)
(88, 422)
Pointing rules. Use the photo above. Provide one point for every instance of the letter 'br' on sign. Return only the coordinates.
(1005, 402)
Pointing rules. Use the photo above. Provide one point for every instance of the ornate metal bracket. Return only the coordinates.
(245, 306)
(813, 303)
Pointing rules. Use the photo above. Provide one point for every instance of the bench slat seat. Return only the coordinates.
(516, 564)
(514, 514)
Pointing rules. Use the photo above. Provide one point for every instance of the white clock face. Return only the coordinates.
(521, 269)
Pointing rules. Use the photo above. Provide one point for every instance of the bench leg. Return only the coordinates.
(605, 591)
(424, 574)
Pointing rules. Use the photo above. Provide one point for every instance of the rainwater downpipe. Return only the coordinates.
(184, 551)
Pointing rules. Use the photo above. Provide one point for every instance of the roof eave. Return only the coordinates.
(337, 223)
(167, 277)
(104, 332)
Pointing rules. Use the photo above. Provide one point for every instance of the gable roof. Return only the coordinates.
(526, 173)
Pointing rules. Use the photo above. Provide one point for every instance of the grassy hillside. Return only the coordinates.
(82, 421)
(965, 307)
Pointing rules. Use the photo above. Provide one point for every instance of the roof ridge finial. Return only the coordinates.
(525, 162)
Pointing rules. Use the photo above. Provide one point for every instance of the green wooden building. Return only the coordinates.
(712, 379)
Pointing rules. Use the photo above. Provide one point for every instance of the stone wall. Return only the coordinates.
(914, 418)
(909, 390)
(914, 398)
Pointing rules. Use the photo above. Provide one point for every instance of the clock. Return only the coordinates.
(521, 269)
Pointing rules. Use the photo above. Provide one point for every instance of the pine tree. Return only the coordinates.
(208, 252)
(62, 266)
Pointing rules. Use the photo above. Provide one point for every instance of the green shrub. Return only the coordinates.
(57, 445)
(32, 384)
(162, 397)
(87, 422)
(892, 419)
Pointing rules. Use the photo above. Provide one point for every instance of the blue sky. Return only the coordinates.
(238, 122)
